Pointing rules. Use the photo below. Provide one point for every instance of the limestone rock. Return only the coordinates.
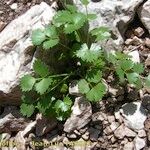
(118, 116)
(112, 13)
(135, 57)
(141, 133)
(98, 117)
(134, 41)
(16, 50)
(128, 146)
(71, 136)
(119, 133)
(85, 136)
(139, 143)
(12, 121)
(147, 127)
(20, 137)
(147, 61)
(74, 89)
(139, 31)
(134, 115)
(94, 134)
(81, 115)
(14, 6)
(144, 13)
(111, 119)
(44, 124)
(129, 132)
(108, 130)
(147, 42)
(114, 126)
(123, 131)
(2, 25)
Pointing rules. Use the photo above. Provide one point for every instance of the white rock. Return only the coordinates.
(20, 137)
(135, 56)
(80, 116)
(129, 132)
(124, 141)
(71, 136)
(141, 133)
(16, 49)
(14, 6)
(113, 91)
(139, 143)
(12, 121)
(128, 146)
(98, 116)
(147, 61)
(85, 136)
(134, 115)
(147, 42)
(123, 131)
(119, 132)
(2, 25)
(134, 41)
(44, 124)
(74, 89)
(139, 31)
(107, 130)
(114, 126)
(112, 13)
(144, 13)
(29, 128)
(118, 116)
(5, 136)
(111, 119)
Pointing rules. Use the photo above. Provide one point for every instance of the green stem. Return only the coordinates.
(59, 75)
(55, 76)
(87, 39)
(78, 32)
(65, 46)
(59, 83)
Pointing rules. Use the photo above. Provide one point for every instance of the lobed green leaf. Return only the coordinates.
(101, 33)
(96, 93)
(27, 83)
(38, 36)
(42, 86)
(83, 86)
(27, 109)
(40, 68)
(85, 2)
(89, 55)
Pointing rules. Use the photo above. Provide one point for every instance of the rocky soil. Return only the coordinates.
(11, 9)
(120, 122)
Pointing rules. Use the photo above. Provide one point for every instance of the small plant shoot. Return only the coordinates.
(47, 91)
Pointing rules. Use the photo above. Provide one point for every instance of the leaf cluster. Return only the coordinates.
(42, 85)
(47, 92)
(127, 70)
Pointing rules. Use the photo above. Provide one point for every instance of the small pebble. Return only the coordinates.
(147, 42)
(139, 31)
(141, 133)
(111, 119)
(2, 25)
(114, 126)
(14, 6)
